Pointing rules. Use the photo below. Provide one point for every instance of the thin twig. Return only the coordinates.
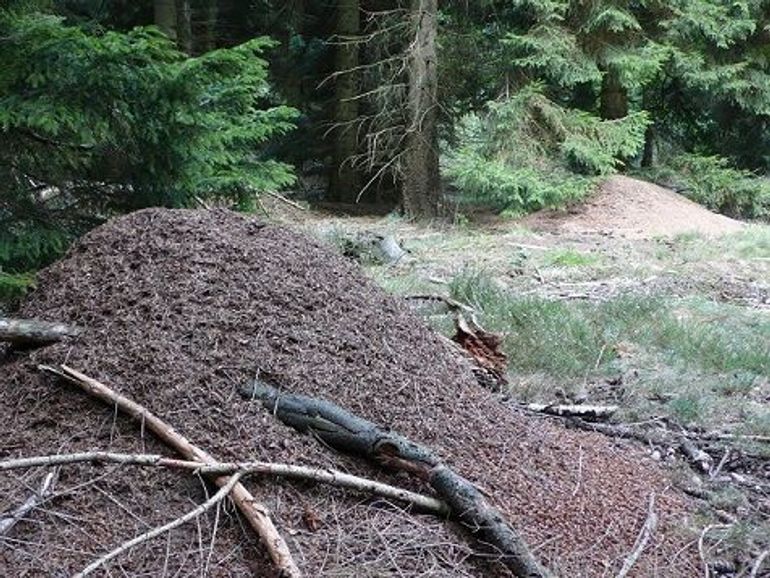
(579, 472)
(323, 475)
(8, 521)
(255, 512)
(715, 472)
(641, 541)
(758, 564)
(205, 506)
(285, 200)
(701, 551)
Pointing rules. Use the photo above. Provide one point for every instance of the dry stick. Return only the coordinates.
(253, 511)
(758, 564)
(641, 541)
(29, 332)
(351, 434)
(155, 532)
(323, 475)
(563, 410)
(9, 521)
(285, 200)
(701, 551)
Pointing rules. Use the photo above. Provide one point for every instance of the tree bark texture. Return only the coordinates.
(421, 186)
(648, 156)
(293, 82)
(344, 182)
(209, 36)
(614, 96)
(351, 434)
(165, 17)
(184, 40)
(25, 333)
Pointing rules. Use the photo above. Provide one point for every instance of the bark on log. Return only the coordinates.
(351, 434)
(589, 412)
(25, 333)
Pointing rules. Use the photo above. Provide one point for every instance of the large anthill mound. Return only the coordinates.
(635, 209)
(179, 308)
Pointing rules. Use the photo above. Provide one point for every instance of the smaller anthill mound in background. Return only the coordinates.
(635, 209)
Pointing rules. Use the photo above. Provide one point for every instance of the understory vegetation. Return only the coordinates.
(642, 324)
(704, 361)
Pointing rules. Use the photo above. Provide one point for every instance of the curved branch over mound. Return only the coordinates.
(354, 435)
(255, 513)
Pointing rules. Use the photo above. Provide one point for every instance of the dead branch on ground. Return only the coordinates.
(641, 541)
(351, 434)
(8, 521)
(27, 333)
(590, 412)
(322, 475)
(155, 532)
(255, 512)
(701, 549)
(758, 564)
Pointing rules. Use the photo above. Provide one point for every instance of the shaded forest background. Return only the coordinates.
(107, 107)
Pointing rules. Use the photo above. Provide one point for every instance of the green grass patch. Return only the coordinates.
(14, 286)
(570, 258)
(700, 359)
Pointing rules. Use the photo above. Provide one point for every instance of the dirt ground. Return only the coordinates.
(627, 207)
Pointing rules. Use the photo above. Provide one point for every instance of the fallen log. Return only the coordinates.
(256, 513)
(26, 333)
(354, 435)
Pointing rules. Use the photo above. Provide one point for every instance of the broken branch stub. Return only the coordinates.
(351, 434)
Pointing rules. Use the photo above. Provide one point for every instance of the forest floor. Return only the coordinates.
(638, 298)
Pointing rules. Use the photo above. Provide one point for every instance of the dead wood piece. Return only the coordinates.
(26, 333)
(256, 513)
(351, 434)
(322, 475)
(8, 521)
(484, 348)
(758, 564)
(583, 411)
(696, 455)
(641, 541)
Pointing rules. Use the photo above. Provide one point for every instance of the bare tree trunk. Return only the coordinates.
(211, 14)
(648, 157)
(344, 183)
(184, 26)
(614, 97)
(293, 83)
(165, 17)
(421, 186)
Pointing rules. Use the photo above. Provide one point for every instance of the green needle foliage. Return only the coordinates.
(527, 152)
(96, 122)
